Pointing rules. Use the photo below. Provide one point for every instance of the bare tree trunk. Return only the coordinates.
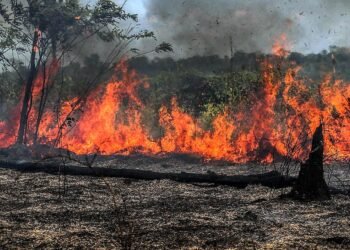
(311, 184)
(28, 91)
(42, 104)
(47, 73)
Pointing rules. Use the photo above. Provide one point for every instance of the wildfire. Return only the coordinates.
(276, 124)
(281, 46)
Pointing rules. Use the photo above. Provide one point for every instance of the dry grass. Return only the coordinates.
(37, 212)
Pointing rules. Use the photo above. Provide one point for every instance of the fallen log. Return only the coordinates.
(271, 179)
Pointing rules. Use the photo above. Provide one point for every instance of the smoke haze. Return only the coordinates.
(205, 26)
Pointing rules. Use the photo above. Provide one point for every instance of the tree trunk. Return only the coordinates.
(45, 87)
(311, 184)
(42, 104)
(28, 90)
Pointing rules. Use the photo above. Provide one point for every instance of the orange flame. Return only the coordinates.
(276, 124)
(281, 46)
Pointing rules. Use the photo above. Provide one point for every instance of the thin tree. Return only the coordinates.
(48, 29)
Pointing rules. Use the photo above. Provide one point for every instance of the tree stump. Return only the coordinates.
(311, 184)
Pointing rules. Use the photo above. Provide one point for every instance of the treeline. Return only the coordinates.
(314, 66)
(203, 85)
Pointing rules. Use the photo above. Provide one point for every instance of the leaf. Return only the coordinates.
(164, 47)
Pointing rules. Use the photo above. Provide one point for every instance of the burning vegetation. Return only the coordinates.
(279, 121)
(212, 122)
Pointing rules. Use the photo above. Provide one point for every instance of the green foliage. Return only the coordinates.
(204, 96)
(186, 86)
(233, 88)
(211, 110)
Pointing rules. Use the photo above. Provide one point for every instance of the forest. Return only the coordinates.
(112, 137)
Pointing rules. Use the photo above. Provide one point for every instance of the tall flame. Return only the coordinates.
(276, 124)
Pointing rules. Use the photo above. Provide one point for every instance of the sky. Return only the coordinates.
(206, 26)
(137, 6)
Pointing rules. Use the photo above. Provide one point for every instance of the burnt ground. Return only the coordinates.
(39, 210)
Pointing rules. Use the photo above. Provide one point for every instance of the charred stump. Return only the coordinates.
(311, 184)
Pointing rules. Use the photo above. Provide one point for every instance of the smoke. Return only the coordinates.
(206, 26)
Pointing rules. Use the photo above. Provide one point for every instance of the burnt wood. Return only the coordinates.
(271, 179)
(311, 184)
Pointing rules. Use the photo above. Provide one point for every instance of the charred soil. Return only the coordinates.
(39, 210)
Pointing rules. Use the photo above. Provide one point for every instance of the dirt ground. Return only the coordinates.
(39, 210)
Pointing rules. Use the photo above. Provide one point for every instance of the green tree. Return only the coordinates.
(45, 30)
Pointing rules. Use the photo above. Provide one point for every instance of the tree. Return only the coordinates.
(45, 30)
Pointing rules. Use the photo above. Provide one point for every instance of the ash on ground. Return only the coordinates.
(39, 210)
